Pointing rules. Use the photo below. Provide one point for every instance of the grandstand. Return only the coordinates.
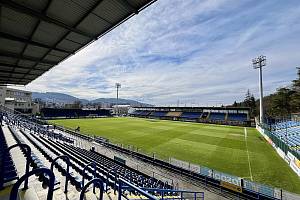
(288, 132)
(51, 113)
(217, 115)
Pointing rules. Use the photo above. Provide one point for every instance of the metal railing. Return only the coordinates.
(123, 184)
(48, 172)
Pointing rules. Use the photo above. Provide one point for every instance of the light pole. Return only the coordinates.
(258, 63)
(118, 85)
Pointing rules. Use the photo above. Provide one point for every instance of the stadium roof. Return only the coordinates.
(192, 108)
(37, 35)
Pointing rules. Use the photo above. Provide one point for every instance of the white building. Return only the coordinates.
(121, 109)
(15, 99)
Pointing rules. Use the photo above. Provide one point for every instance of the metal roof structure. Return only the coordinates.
(36, 35)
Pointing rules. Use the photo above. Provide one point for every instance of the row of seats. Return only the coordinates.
(214, 116)
(107, 169)
(44, 130)
(7, 166)
(71, 113)
(288, 132)
(34, 160)
(284, 124)
(217, 116)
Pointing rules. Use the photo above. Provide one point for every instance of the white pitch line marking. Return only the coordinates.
(250, 171)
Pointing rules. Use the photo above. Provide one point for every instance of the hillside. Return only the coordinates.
(65, 98)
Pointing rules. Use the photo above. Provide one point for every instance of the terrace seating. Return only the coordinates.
(80, 157)
(191, 115)
(35, 161)
(173, 114)
(284, 124)
(136, 112)
(217, 116)
(290, 134)
(144, 113)
(158, 113)
(8, 170)
(204, 115)
(71, 113)
(237, 117)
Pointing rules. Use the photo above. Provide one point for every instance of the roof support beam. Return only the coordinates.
(4, 83)
(13, 66)
(22, 57)
(13, 72)
(129, 6)
(23, 9)
(34, 30)
(28, 41)
(18, 78)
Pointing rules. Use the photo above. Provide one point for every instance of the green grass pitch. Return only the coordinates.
(223, 148)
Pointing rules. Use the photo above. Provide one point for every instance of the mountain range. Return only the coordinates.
(56, 97)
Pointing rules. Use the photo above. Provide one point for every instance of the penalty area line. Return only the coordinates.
(250, 171)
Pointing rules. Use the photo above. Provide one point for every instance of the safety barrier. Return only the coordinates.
(223, 181)
(48, 172)
(93, 164)
(95, 181)
(28, 154)
(67, 160)
(125, 185)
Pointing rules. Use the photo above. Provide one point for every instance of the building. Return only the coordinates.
(16, 99)
(121, 109)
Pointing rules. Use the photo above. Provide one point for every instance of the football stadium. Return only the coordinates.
(129, 150)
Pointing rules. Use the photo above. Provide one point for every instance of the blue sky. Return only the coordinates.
(191, 51)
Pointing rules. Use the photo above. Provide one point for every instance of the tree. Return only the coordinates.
(247, 100)
(252, 105)
(235, 104)
(295, 97)
(282, 102)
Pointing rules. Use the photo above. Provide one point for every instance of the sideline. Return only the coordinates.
(245, 130)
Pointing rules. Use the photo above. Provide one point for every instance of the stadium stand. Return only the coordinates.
(289, 133)
(158, 114)
(204, 115)
(191, 115)
(173, 114)
(241, 117)
(49, 113)
(218, 115)
(7, 167)
(144, 113)
(52, 144)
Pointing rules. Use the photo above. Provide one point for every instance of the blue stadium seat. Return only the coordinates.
(237, 117)
(217, 116)
(191, 115)
(7, 166)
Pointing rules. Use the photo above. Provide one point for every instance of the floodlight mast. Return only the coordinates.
(118, 85)
(258, 63)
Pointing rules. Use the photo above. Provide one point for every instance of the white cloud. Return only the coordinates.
(194, 51)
